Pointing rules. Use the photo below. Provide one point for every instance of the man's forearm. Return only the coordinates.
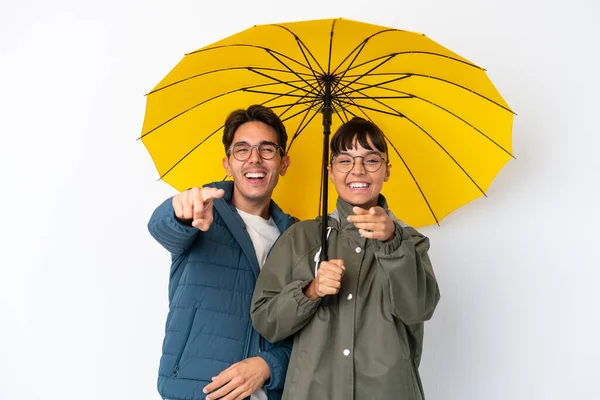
(172, 234)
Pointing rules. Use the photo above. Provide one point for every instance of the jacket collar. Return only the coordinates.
(281, 219)
(236, 224)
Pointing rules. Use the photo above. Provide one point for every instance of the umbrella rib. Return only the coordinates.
(361, 45)
(284, 82)
(340, 79)
(221, 70)
(279, 95)
(300, 42)
(190, 152)
(411, 96)
(275, 93)
(429, 53)
(448, 154)
(367, 97)
(405, 166)
(352, 103)
(360, 108)
(298, 132)
(330, 46)
(308, 62)
(198, 145)
(300, 46)
(345, 119)
(414, 180)
(290, 105)
(368, 72)
(249, 89)
(299, 112)
(294, 72)
(410, 74)
(369, 86)
(268, 50)
(343, 108)
(300, 127)
(432, 138)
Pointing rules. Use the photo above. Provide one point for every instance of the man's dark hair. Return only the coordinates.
(254, 113)
(362, 130)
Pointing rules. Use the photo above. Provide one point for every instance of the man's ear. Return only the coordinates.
(285, 163)
(226, 166)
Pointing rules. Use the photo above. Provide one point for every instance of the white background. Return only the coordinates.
(83, 287)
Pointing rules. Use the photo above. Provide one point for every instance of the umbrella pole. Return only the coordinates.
(327, 113)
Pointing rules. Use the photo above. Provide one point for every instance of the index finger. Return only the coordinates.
(361, 218)
(198, 204)
(212, 193)
(359, 210)
(377, 211)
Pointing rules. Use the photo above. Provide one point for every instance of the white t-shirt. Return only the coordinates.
(263, 234)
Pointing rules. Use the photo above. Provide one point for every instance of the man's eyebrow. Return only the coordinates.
(262, 142)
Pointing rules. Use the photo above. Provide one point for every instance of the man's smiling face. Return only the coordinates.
(255, 178)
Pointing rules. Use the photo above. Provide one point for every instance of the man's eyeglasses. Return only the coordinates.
(242, 151)
(371, 162)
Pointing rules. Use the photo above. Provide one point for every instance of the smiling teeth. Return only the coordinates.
(252, 175)
(357, 185)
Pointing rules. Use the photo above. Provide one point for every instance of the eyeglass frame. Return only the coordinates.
(384, 161)
(257, 147)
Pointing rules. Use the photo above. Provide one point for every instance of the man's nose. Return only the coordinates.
(254, 156)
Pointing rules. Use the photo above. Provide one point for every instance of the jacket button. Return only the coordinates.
(346, 352)
(349, 296)
(358, 249)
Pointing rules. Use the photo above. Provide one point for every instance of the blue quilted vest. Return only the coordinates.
(210, 291)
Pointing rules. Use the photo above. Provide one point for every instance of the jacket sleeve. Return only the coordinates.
(277, 358)
(169, 232)
(279, 306)
(408, 280)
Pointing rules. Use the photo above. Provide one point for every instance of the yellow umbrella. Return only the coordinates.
(448, 128)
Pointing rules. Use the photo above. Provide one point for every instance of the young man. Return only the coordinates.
(358, 318)
(219, 236)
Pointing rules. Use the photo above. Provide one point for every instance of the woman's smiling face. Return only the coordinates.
(359, 187)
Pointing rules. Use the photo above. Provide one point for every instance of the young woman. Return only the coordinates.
(357, 319)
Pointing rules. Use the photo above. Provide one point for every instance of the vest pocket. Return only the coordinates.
(185, 343)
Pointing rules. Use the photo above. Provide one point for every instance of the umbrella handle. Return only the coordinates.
(317, 258)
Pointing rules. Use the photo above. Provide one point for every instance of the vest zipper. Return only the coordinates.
(187, 337)
(248, 339)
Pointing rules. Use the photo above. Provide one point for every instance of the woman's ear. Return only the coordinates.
(387, 172)
(330, 173)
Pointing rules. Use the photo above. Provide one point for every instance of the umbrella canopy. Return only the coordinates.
(448, 128)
